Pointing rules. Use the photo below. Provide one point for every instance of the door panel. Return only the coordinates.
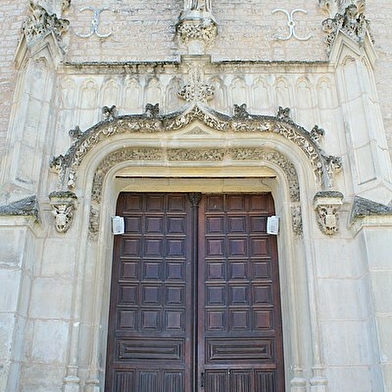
(149, 339)
(152, 343)
(239, 330)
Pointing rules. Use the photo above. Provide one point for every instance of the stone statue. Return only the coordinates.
(198, 5)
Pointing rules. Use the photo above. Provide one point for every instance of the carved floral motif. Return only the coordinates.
(203, 29)
(40, 23)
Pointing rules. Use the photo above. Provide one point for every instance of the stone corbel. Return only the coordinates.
(327, 205)
(63, 204)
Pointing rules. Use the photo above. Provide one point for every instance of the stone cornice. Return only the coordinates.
(24, 207)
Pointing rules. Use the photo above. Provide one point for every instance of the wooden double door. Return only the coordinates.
(195, 303)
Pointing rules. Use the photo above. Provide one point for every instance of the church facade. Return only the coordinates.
(195, 196)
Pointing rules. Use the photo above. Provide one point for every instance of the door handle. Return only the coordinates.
(202, 380)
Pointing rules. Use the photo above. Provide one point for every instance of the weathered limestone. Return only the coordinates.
(196, 96)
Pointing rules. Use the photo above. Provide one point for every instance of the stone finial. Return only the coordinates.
(284, 114)
(351, 21)
(327, 205)
(40, 23)
(63, 204)
(109, 113)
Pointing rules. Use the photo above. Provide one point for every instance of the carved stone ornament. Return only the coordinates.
(63, 204)
(40, 23)
(196, 90)
(327, 205)
(25, 207)
(197, 33)
(324, 166)
(351, 21)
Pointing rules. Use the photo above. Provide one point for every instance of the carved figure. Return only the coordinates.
(199, 5)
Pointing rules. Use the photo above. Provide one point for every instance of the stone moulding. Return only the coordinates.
(67, 165)
(63, 204)
(362, 208)
(25, 207)
(327, 205)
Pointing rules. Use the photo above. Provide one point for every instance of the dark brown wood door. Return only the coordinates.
(240, 341)
(195, 296)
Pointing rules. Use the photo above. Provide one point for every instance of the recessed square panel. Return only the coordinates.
(153, 247)
(175, 248)
(238, 270)
(262, 319)
(237, 224)
(176, 225)
(175, 271)
(215, 247)
(133, 202)
(127, 294)
(152, 271)
(216, 271)
(133, 224)
(151, 295)
(131, 247)
(155, 202)
(238, 247)
(239, 295)
(216, 320)
(215, 295)
(127, 319)
(214, 203)
(236, 203)
(175, 295)
(258, 224)
(174, 320)
(150, 319)
(215, 224)
(261, 270)
(259, 247)
(259, 203)
(129, 270)
(154, 224)
(239, 320)
(262, 294)
(176, 203)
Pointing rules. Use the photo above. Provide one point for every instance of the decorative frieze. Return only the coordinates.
(351, 22)
(40, 23)
(63, 204)
(327, 205)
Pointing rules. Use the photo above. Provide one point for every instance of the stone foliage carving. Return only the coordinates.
(352, 22)
(196, 90)
(189, 155)
(63, 204)
(40, 23)
(25, 207)
(324, 166)
(327, 205)
(204, 30)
